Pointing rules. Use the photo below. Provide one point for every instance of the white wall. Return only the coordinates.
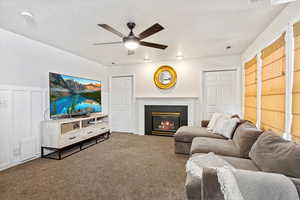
(189, 79)
(188, 75)
(290, 14)
(25, 65)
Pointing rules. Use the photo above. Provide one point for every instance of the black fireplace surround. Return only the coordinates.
(164, 120)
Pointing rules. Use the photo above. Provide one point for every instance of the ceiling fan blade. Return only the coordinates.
(112, 30)
(104, 43)
(130, 52)
(150, 31)
(153, 45)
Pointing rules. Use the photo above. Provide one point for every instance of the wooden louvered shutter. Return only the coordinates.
(296, 87)
(273, 87)
(250, 105)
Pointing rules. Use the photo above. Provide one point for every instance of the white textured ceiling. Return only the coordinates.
(196, 28)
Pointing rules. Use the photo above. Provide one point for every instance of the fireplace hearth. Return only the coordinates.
(164, 120)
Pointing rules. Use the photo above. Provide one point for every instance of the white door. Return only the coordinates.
(220, 92)
(121, 104)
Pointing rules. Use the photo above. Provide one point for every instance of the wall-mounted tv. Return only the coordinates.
(73, 96)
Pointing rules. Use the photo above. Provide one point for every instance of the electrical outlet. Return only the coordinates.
(3, 102)
(16, 151)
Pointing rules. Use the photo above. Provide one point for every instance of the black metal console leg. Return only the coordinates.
(42, 152)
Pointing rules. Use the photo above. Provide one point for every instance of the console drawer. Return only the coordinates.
(69, 139)
(94, 132)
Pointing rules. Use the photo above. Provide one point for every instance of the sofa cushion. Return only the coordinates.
(218, 146)
(245, 136)
(187, 134)
(272, 153)
(241, 163)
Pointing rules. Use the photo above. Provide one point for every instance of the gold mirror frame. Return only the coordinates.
(157, 81)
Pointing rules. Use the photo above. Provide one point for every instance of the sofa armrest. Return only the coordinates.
(193, 187)
(211, 190)
(206, 187)
(296, 181)
(210, 186)
(204, 123)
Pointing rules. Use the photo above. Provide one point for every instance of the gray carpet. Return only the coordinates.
(125, 167)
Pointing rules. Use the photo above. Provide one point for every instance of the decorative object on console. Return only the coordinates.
(62, 135)
(165, 77)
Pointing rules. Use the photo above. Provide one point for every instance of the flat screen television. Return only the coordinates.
(73, 96)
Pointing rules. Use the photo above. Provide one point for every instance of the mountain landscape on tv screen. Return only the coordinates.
(71, 95)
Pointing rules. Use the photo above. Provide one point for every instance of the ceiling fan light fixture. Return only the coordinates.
(27, 14)
(131, 43)
(179, 57)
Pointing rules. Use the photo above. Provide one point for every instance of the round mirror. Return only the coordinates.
(165, 77)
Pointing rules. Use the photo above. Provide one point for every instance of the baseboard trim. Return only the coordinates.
(7, 166)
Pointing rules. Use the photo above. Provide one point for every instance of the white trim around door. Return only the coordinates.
(237, 84)
(121, 103)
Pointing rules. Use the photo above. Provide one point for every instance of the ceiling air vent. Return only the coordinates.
(273, 2)
(276, 2)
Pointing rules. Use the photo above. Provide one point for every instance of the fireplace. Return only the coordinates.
(164, 120)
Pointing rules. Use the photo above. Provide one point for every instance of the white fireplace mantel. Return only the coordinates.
(141, 101)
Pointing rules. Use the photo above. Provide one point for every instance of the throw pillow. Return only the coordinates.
(229, 126)
(235, 116)
(219, 127)
(272, 153)
(245, 136)
(213, 121)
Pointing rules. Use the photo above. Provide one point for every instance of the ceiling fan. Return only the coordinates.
(132, 42)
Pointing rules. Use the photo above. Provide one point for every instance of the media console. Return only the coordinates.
(64, 135)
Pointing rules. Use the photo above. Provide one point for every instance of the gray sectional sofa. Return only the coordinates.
(198, 141)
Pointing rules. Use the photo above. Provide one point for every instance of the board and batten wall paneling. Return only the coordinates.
(250, 105)
(21, 112)
(273, 87)
(6, 127)
(296, 86)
